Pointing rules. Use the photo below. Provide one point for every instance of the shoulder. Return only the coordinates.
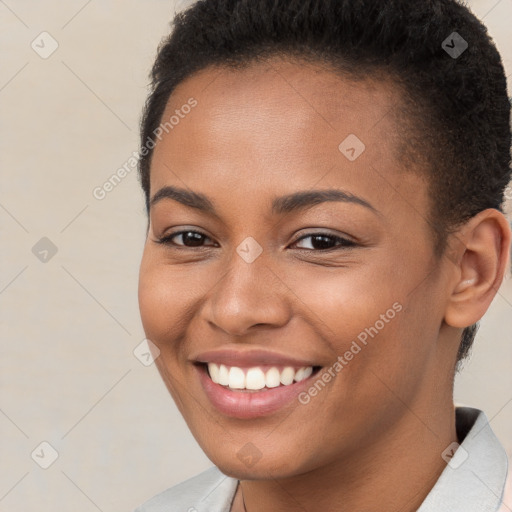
(476, 469)
(210, 490)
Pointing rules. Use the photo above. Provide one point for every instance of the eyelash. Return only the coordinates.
(343, 243)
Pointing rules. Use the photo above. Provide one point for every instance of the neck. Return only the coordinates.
(394, 472)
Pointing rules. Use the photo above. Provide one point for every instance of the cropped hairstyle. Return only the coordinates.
(454, 113)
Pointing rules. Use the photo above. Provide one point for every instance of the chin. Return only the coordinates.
(242, 467)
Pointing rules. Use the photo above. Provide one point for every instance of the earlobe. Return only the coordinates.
(481, 267)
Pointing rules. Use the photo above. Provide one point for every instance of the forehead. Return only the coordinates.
(283, 124)
(281, 91)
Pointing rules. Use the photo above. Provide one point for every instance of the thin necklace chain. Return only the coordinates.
(243, 499)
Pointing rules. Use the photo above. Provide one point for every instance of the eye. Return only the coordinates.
(319, 241)
(189, 238)
(325, 242)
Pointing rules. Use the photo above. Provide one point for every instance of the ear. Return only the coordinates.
(480, 263)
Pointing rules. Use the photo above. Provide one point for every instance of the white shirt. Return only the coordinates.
(473, 480)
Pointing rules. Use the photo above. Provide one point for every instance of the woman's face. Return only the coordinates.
(262, 280)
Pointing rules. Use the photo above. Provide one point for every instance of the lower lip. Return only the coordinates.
(250, 404)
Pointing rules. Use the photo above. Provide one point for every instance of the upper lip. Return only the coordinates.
(249, 357)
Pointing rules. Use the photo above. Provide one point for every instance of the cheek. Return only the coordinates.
(343, 301)
(158, 299)
(170, 297)
(381, 334)
(369, 316)
(151, 290)
(161, 315)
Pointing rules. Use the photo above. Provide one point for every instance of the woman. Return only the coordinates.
(324, 181)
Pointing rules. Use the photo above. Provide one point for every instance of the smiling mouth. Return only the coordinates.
(257, 378)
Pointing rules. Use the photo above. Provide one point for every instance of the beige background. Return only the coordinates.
(69, 326)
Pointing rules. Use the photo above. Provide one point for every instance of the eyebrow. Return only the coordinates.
(280, 205)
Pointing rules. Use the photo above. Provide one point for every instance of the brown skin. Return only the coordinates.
(274, 129)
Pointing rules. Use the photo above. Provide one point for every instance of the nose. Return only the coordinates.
(248, 295)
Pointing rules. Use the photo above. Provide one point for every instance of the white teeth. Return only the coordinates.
(272, 378)
(298, 375)
(223, 375)
(287, 376)
(214, 372)
(303, 373)
(236, 378)
(307, 372)
(255, 378)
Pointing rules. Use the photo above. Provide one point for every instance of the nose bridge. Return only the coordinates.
(249, 293)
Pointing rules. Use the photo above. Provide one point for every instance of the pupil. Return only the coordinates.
(194, 238)
(325, 242)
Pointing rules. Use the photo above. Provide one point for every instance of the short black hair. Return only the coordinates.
(455, 103)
